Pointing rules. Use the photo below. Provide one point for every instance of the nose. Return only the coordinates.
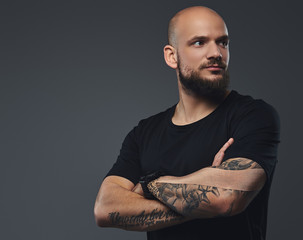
(214, 51)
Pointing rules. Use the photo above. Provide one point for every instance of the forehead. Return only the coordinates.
(206, 24)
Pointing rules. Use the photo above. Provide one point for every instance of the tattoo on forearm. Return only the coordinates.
(201, 200)
(144, 219)
(186, 198)
(238, 164)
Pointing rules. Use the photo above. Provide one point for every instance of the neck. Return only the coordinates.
(191, 109)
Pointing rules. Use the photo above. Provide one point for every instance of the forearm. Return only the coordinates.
(200, 201)
(118, 207)
(210, 192)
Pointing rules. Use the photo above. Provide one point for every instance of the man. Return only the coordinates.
(205, 165)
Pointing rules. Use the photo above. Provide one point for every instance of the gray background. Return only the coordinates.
(76, 76)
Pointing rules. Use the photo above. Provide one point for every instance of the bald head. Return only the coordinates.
(187, 16)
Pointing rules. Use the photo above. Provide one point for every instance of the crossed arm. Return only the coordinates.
(224, 189)
(118, 206)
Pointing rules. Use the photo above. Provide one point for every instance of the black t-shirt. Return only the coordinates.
(156, 143)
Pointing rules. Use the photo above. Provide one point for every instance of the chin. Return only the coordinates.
(213, 77)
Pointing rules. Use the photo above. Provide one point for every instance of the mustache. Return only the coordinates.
(214, 61)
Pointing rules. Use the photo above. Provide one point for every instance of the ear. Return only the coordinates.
(170, 56)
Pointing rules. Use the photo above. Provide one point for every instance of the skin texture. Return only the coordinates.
(200, 36)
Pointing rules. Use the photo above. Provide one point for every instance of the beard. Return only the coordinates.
(213, 90)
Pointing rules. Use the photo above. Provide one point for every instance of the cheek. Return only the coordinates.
(226, 57)
(194, 57)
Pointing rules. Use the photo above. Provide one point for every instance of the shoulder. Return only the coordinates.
(246, 108)
(154, 122)
(246, 102)
(156, 119)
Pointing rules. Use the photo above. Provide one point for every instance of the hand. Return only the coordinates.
(219, 156)
(138, 189)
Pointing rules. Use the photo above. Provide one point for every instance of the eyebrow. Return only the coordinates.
(203, 38)
(224, 37)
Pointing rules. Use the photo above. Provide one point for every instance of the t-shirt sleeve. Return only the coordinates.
(128, 162)
(256, 132)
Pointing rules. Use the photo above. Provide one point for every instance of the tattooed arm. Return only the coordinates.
(223, 190)
(117, 206)
(120, 204)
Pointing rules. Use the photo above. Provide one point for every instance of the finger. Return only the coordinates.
(220, 154)
(218, 159)
(138, 190)
(135, 187)
(227, 145)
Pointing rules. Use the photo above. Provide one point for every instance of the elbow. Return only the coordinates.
(231, 206)
(103, 206)
(101, 216)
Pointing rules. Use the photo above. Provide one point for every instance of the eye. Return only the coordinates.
(198, 43)
(224, 43)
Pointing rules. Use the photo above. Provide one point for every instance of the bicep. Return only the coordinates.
(110, 185)
(120, 181)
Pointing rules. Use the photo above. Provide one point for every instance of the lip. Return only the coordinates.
(214, 68)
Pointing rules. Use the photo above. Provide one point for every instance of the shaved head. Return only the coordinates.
(184, 16)
(198, 48)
